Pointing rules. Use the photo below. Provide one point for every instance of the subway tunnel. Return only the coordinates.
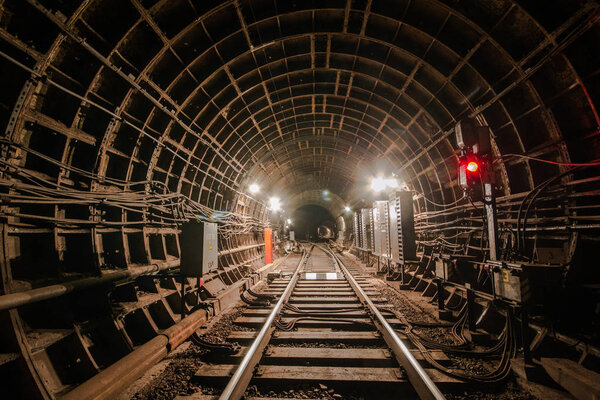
(123, 120)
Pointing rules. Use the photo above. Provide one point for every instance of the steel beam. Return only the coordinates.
(18, 299)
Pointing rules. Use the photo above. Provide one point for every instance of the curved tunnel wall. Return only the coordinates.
(170, 108)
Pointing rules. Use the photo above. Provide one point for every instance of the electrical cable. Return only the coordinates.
(130, 124)
(539, 190)
(567, 164)
(439, 204)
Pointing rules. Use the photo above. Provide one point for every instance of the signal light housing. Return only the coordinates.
(469, 173)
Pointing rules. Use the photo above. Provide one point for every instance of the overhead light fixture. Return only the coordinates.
(380, 183)
(377, 184)
(254, 188)
(274, 204)
(391, 183)
(347, 209)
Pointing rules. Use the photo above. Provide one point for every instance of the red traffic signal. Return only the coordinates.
(472, 166)
(470, 169)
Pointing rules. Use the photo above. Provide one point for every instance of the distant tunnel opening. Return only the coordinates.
(313, 222)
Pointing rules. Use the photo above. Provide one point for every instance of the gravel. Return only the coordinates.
(470, 364)
(501, 391)
(218, 331)
(175, 380)
(304, 391)
(413, 311)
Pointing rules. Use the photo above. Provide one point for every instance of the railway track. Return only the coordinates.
(320, 323)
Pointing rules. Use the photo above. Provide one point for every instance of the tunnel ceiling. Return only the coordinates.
(208, 96)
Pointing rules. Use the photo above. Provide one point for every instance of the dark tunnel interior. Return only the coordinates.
(121, 120)
(307, 219)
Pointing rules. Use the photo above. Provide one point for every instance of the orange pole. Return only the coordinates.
(268, 245)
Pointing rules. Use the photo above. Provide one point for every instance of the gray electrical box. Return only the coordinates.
(358, 231)
(403, 241)
(381, 237)
(367, 229)
(199, 248)
(525, 283)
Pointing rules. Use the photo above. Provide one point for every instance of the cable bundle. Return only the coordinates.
(291, 323)
(225, 348)
(254, 303)
(293, 308)
(154, 201)
(506, 344)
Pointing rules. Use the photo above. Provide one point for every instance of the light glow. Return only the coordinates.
(472, 166)
(380, 183)
(274, 204)
(288, 221)
(347, 209)
(254, 188)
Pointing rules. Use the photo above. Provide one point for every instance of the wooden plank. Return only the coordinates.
(356, 313)
(316, 356)
(332, 299)
(328, 374)
(317, 293)
(352, 356)
(321, 335)
(351, 323)
(328, 293)
(578, 380)
(303, 374)
(363, 337)
(329, 306)
(330, 290)
(328, 356)
(322, 286)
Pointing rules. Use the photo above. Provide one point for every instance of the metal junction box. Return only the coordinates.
(358, 231)
(525, 283)
(444, 267)
(456, 268)
(367, 229)
(403, 242)
(199, 248)
(381, 239)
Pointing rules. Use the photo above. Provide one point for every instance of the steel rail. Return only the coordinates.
(243, 374)
(422, 383)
